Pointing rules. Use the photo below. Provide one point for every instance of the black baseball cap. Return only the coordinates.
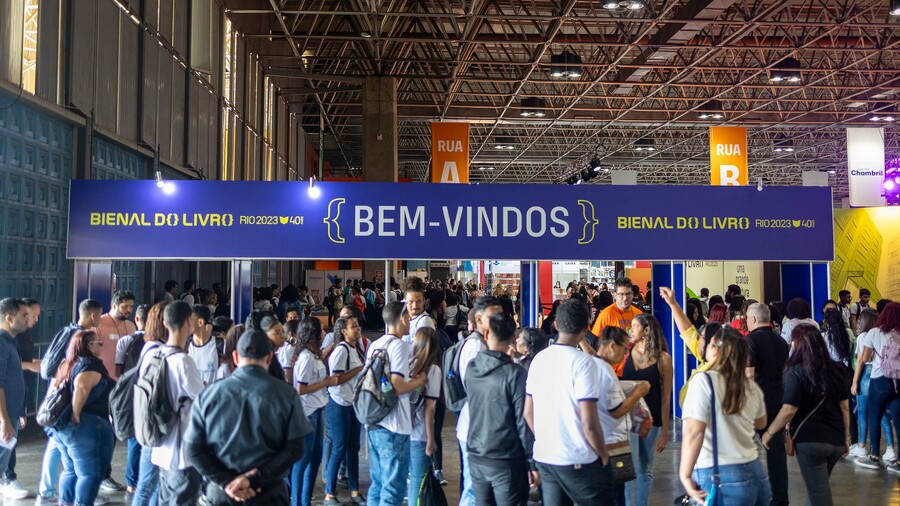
(254, 344)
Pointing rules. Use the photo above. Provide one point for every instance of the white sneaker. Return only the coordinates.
(858, 450)
(101, 499)
(12, 490)
(889, 455)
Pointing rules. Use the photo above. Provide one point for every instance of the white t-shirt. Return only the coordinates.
(206, 358)
(122, 347)
(184, 383)
(399, 420)
(611, 398)
(736, 445)
(328, 340)
(468, 353)
(341, 360)
(285, 355)
(431, 390)
(222, 372)
(421, 321)
(558, 379)
(188, 299)
(308, 369)
(788, 327)
(875, 339)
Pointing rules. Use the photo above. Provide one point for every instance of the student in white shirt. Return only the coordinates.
(423, 440)
(228, 366)
(482, 311)
(562, 390)
(740, 411)
(342, 427)
(414, 294)
(287, 354)
(310, 380)
(389, 439)
(613, 407)
(202, 347)
(179, 483)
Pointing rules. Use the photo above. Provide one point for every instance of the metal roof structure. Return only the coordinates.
(647, 69)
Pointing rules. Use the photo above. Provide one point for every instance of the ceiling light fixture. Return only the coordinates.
(783, 144)
(365, 35)
(613, 5)
(711, 110)
(532, 107)
(895, 8)
(645, 145)
(882, 112)
(565, 65)
(505, 143)
(891, 183)
(313, 191)
(596, 166)
(787, 70)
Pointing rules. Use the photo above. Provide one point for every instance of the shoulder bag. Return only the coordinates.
(789, 437)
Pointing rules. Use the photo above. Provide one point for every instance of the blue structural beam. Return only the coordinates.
(529, 294)
(241, 289)
(810, 281)
(93, 280)
(671, 274)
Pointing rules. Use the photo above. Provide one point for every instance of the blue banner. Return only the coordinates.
(285, 220)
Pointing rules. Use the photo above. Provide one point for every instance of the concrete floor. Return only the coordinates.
(851, 485)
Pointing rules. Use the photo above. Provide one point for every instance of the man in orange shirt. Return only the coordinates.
(618, 314)
(115, 325)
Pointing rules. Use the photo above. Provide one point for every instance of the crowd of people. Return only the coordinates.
(573, 412)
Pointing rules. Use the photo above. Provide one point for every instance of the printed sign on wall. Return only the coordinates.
(728, 156)
(449, 152)
(283, 220)
(865, 166)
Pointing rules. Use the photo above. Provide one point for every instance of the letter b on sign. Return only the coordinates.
(729, 175)
(728, 156)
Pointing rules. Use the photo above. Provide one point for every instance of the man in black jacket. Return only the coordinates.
(247, 445)
(500, 442)
(768, 353)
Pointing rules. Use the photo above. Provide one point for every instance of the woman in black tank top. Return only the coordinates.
(649, 361)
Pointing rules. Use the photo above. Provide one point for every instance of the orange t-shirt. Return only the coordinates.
(612, 316)
(110, 331)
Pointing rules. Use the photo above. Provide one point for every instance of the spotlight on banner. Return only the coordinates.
(892, 182)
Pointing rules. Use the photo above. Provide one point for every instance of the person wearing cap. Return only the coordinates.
(246, 445)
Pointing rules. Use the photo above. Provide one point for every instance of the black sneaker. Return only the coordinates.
(357, 499)
(110, 485)
(332, 502)
(440, 476)
(870, 462)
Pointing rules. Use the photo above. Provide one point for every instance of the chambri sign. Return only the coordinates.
(283, 220)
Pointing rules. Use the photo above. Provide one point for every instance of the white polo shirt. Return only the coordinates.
(559, 378)
(466, 355)
(399, 420)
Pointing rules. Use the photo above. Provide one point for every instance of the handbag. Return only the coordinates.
(621, 463)
(55, 403)
(789, 438)
(430, 491)
(641, 419)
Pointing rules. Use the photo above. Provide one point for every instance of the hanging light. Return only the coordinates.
(881, 112)
(596, 166)
(783, 144)
(613, 5)
(891, 183)
(787, 70)
(532, 107)
(645, 145)
(159, 180)
(565, 65)
(313, 191)
(505, 143)
(711, 110)
(895, 8)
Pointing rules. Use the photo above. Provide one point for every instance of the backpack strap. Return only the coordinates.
(715, 434)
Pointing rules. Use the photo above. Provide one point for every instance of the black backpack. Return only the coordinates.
(121, 403)
(370, 403)
(454, 390)
(56, 353)
(133, 351)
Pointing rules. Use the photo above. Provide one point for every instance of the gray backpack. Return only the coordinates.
(375, 397)
(155, 415)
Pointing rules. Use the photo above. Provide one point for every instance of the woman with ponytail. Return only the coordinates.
(739, 411)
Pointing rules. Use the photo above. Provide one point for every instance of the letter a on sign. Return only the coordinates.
(728, 156)
(449, 152)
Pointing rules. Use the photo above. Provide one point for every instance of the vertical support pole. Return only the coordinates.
(821, 287)
(93, 280)
(530, 294)
(241, 289)
(671, 274)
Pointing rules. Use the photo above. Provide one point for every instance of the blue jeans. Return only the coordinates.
(643, 451)
(147, 491)
(419, 464)
(86, 449)
(882, 394)
(862, 411)
(344, 429)
(304, 471)
(467, 495)
(49, 467)
(388, 466)
(6, 454)
(743, 484)
(133, 466)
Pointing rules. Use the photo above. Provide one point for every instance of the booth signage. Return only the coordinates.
(728, 156)
(865, 166)
(449, 152)
(282, 220)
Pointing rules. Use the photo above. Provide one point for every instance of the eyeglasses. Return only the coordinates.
(624, 294)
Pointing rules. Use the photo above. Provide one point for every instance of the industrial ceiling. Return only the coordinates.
(647, 70)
